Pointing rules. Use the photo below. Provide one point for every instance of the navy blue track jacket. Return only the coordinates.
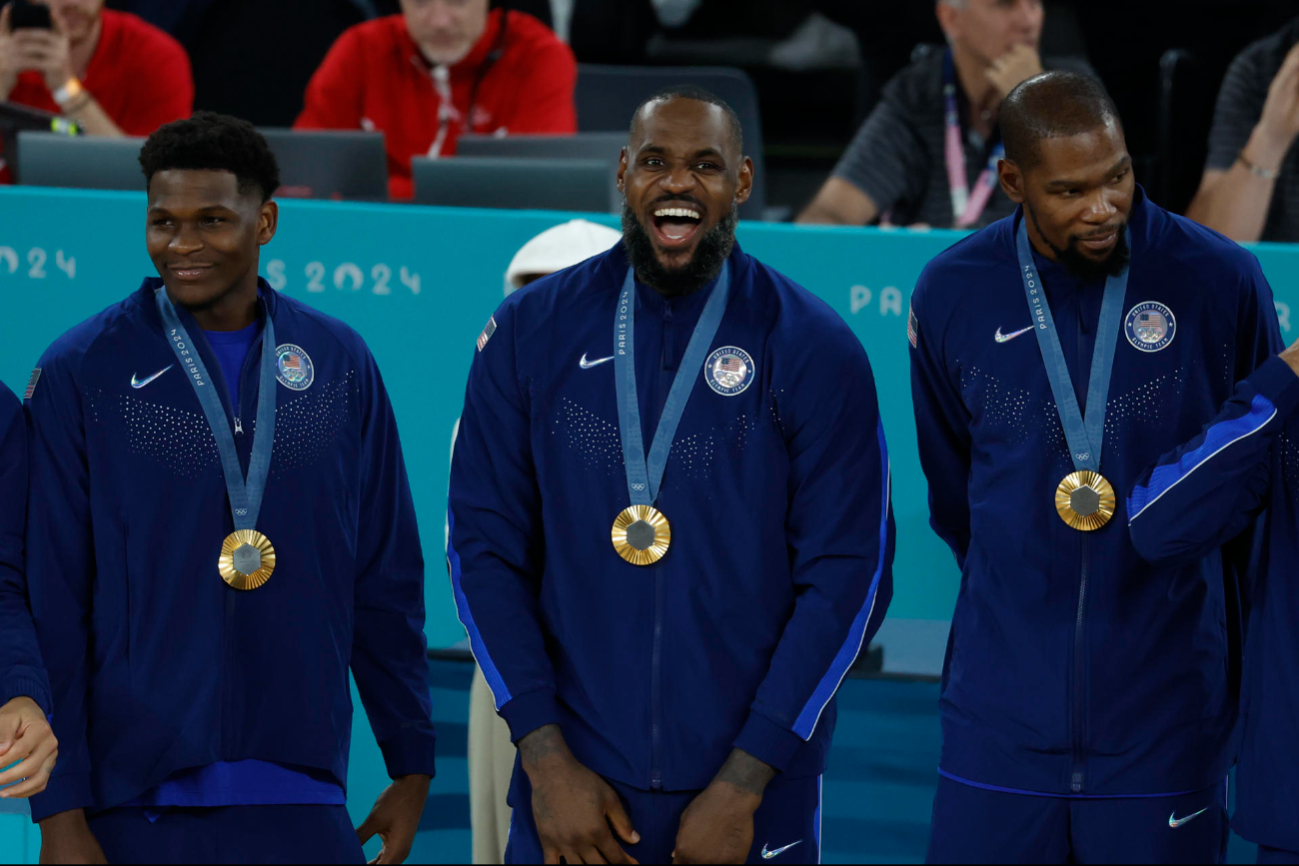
(1073, 666)
(21, 672)
(778, 497)
(1201, 495)
(156, 664)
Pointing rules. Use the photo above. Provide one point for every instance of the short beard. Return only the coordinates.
(710, 254)
(1079, 266)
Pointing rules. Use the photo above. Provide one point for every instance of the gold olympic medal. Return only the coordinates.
(247, 559)
(641, 535)
(1085, 500)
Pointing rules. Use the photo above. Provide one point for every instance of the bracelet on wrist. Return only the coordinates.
(1257, 170)
(68, 93)
(78, 104)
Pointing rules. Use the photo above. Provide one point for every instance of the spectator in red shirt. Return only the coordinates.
(109, 71)
(441, 69)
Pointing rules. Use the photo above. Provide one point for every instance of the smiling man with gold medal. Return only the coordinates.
(1088, 706)
(220, 531)
(669, 525)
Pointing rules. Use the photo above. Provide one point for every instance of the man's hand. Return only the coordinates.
(27, 742)
(47, 51)
(572, 806)
(395, 817)
(66, 838)
(9, 60)
(1016, 65)
(717, 826)
(1291, 356)
(1279, 123)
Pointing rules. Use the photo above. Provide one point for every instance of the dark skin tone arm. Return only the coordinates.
(717, 826)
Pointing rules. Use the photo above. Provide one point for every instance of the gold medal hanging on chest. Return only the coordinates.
(641, 535)
(247, 559)
(1085, 500)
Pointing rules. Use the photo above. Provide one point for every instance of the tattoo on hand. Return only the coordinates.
(746, 772)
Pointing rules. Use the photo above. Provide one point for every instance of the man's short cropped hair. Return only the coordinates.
(1052, 105)
(214, 142)
(699, 94)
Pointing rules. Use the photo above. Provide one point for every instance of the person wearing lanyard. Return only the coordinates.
(670, 531)
(198, 606)
(28, 747)
(1089, 701)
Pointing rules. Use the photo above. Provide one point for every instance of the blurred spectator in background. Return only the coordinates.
(441, 69)
(1250, 189)
(928, 152)
(109, 71)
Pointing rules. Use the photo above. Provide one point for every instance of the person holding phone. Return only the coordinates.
(109, 71)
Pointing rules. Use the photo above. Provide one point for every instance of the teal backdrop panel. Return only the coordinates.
(419, 284)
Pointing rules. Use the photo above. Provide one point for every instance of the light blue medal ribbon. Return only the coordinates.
(247, 557)
(1084, 499)
(641, 534)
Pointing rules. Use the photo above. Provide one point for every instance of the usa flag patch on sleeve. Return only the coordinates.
(913, 328)
(487, 333)
(31, 384)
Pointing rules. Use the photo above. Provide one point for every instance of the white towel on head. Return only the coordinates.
(557, 248)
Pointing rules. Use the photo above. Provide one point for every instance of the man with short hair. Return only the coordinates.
(28, 748)
(1250, 188)
(439, 70)
(928, 152)
(109, 71)
(665, 634)
(220, 529)
(1088, 700)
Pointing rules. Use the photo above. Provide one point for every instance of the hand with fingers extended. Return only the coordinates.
(28, 748)
(66, 838)
(395, 817)
(577, 813)
(1279, 124)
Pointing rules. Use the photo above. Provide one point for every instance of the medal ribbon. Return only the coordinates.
(1085, 439)
(245, 495)
(644, 479)
(967, 207)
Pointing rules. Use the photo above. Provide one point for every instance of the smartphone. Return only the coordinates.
(32, 16)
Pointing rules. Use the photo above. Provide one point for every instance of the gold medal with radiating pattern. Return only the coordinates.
(247, 559)
(1085, 500)
(641, 535)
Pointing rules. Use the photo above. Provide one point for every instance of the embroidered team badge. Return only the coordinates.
(487, 333)
(1150, 326)
(729, 371)
(293, 367)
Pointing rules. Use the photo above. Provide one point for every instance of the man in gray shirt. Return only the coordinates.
(1250, 189)
(927, 154)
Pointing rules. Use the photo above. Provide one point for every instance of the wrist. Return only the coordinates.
(737, 797)
(1266, 149)
(543, 751)
(73, 819)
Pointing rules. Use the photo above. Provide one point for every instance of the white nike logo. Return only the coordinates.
(586, 365)
(140, 383)
(1175, 822)
(1006, 338)
(767, 855)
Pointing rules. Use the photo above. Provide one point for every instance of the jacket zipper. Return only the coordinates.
(1079, 645)
(1076, 781)
(656, 667)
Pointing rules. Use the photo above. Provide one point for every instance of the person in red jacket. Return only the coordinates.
(441, 69)
(109, 71)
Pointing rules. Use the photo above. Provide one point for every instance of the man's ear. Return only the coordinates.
(622, 171)
(267, 222)
(1012, 180)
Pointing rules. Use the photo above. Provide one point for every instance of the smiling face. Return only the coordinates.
(204, 235)
(1078, 194)
(683, 174)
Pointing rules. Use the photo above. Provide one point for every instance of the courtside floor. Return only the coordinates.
(878, 790)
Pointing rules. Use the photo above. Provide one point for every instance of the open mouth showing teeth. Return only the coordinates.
(676, 226)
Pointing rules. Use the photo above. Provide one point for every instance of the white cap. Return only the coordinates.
(559, 247)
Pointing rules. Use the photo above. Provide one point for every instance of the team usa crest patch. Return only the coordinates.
(729, 371)
(1150, 326)
(293, 367)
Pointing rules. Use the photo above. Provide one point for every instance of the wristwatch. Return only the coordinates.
(68, 93)
(1258, 170)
